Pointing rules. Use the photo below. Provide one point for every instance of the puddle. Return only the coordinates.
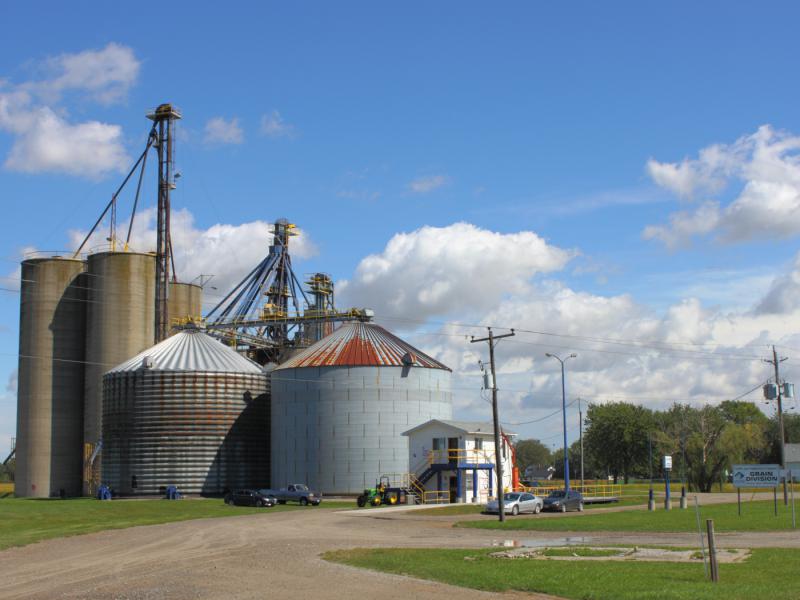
(541, 543)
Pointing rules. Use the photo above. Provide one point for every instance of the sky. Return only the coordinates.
(621, 181)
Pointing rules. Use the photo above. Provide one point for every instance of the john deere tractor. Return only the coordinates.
(381, 494)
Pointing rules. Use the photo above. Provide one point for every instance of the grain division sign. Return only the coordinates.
(756, 476)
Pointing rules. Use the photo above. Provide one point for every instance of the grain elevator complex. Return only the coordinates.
(125, 380)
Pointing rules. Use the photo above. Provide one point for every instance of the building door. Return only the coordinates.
(452, 450)
(453, 489)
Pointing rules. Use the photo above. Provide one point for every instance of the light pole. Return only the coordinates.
(564, 414)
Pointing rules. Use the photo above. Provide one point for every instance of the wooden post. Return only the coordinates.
(700, 534)
(775, 493)
(712, 550)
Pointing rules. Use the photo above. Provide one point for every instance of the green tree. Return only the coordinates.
(616, 438)
(791, 429)
(532, 453)
(710, 440)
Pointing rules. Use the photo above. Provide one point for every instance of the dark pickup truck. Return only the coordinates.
(296, 492)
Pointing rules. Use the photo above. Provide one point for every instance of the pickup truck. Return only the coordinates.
(296, 492)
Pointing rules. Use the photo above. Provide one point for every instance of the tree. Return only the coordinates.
(710, 439)
(532, 453)
(791, 428)
(616, 438)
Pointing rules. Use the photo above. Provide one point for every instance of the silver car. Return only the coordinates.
(517, 502)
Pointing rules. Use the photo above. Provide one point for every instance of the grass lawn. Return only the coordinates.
(765, 575)
(24, 521)
(756, 516)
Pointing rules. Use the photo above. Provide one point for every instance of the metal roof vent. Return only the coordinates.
(409, 359)
(147, 362)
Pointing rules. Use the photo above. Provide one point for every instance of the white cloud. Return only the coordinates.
(444, 270)
(223, 131)
(423, 185)
(273, 125)
(767, 163)
(226, 251)
(105, 74)
(689, 352)
(783, 296)
(45, 140)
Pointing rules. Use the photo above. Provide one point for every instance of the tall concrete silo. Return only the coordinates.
(185, 301)
(120, 324)
(50, 384)
(339, 408)
(190, 412)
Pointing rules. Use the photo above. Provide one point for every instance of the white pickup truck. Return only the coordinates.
(295, 492)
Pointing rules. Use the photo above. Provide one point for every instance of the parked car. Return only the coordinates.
(296, 492)
(517, 502)
(250, 498)
(564, 501)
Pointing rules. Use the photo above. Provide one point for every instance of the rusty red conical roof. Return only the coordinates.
(359, 344)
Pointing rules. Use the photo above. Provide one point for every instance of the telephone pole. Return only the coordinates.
(496, 419)
(580, 424)
(775, 362)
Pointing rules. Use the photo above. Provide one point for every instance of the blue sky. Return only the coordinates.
(360, 121)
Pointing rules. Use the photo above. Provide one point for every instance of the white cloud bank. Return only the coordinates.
(626, 350)
(44, 138)
(767, 164)
(446, 270)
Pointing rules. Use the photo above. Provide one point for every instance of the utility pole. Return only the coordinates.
(776, 362)
(580, 423)
(496, 419)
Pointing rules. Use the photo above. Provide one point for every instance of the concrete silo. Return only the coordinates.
(189, 412)
(120, 323)
(339, 408)
(185, 301)
(50, 377)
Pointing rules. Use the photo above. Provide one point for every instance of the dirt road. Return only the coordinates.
(270, 556)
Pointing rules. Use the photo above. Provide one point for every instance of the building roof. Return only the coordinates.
(468, 427)
(190, 350)
(357, 344)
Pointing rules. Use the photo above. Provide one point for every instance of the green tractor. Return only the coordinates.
(381, 494)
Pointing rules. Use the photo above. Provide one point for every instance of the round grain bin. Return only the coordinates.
(339, 408)
(185, 302)
(189, 412)
(120, 324)
(50, 384)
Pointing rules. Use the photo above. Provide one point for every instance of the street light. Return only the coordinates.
(564, 414)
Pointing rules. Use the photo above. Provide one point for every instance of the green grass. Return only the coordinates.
(764, 575)
(24, 521)
(756, 516)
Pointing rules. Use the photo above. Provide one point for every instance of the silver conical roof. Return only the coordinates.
(190, 350)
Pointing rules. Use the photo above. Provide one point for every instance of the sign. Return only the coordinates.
(667, 462)
(756, 476)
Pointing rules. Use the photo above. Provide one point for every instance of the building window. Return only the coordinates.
(478, 443)
(439, 443)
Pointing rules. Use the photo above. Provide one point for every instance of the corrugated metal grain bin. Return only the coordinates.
(188, 412)
(339, 408)
(50, 385)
